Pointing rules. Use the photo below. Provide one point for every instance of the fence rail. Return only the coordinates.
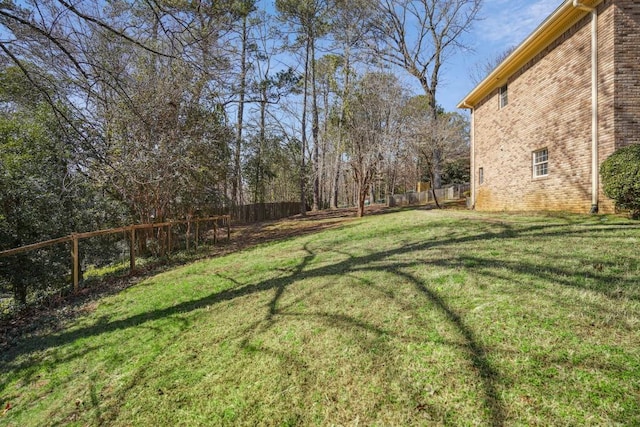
(452, 192)
(223, 220)
(43, 268)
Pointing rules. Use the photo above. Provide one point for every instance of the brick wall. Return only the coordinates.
(627, 72)
(550, 107)
(607, 91)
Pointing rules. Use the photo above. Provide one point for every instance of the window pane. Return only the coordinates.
(541, 156)
(504, 97)
(541, 163)
(541, 169)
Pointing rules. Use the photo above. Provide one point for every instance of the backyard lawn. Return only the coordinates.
(413, 317)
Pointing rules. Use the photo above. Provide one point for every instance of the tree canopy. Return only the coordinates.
(123, 111)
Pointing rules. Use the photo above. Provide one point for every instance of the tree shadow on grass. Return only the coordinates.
(105, 413)
(278, 285)
(477, 354)
(54, 311)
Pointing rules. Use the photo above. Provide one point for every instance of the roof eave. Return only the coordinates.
(565, 16)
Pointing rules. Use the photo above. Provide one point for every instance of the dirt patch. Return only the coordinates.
(245, 236)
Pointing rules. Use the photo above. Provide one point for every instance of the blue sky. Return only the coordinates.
(503, 23)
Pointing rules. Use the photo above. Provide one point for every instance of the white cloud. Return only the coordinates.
(507, 23)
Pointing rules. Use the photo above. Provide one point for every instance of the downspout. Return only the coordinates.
(595, 178)
(473, 155)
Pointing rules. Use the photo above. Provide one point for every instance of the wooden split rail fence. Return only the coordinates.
(75, 239)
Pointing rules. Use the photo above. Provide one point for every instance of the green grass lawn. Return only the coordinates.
(408, 318)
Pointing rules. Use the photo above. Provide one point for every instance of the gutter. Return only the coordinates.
(567, 14)
(549, 30)
(595, 177)
(472, 177)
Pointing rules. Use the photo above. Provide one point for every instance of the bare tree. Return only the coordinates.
(373, 123)
(348, 26)
(418, 36)
(244, 9)
(136, 83)
(166, 147)
(326, 70)
(482, 69)
(447, 134)
(309, 16)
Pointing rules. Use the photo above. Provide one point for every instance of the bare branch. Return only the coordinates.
(110, 29)
(48, 35)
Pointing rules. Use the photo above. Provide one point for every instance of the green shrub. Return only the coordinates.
(621, 178)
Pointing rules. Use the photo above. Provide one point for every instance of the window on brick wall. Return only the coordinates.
(481, 175)
(541, 163)
(504, 96)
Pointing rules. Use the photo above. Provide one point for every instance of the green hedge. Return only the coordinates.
(621, 178)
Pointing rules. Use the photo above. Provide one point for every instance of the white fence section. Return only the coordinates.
(449, 192)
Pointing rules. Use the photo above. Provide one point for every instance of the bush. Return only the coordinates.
(621, 178)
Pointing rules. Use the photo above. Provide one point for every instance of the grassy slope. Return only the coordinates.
(410, 318)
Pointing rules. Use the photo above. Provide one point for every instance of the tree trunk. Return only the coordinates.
(325, 189)
(363, 190)
(260, 188)
(433, 190)
(303, 196)
(336, 183)
(437, 169)
(237, 168)
(314, 127)
(336, 179)
(436, 173)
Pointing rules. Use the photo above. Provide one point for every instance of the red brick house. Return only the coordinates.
(546, 117)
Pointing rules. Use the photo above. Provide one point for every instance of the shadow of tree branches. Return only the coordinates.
(396, 261)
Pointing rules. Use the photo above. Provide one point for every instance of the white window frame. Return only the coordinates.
(504, 96)
(540, 163)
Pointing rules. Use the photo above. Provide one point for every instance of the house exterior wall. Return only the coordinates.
(607, 17)
(549, 106)
(627, 72)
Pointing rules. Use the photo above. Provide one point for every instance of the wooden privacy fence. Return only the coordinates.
(247, 214)
(225, 221)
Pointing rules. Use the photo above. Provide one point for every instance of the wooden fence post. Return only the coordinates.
(76, 272)
(76, 263)
(132, 251)
(195, 240)
(186, 235)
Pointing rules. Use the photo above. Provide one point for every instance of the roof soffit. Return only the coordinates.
(564, 17)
